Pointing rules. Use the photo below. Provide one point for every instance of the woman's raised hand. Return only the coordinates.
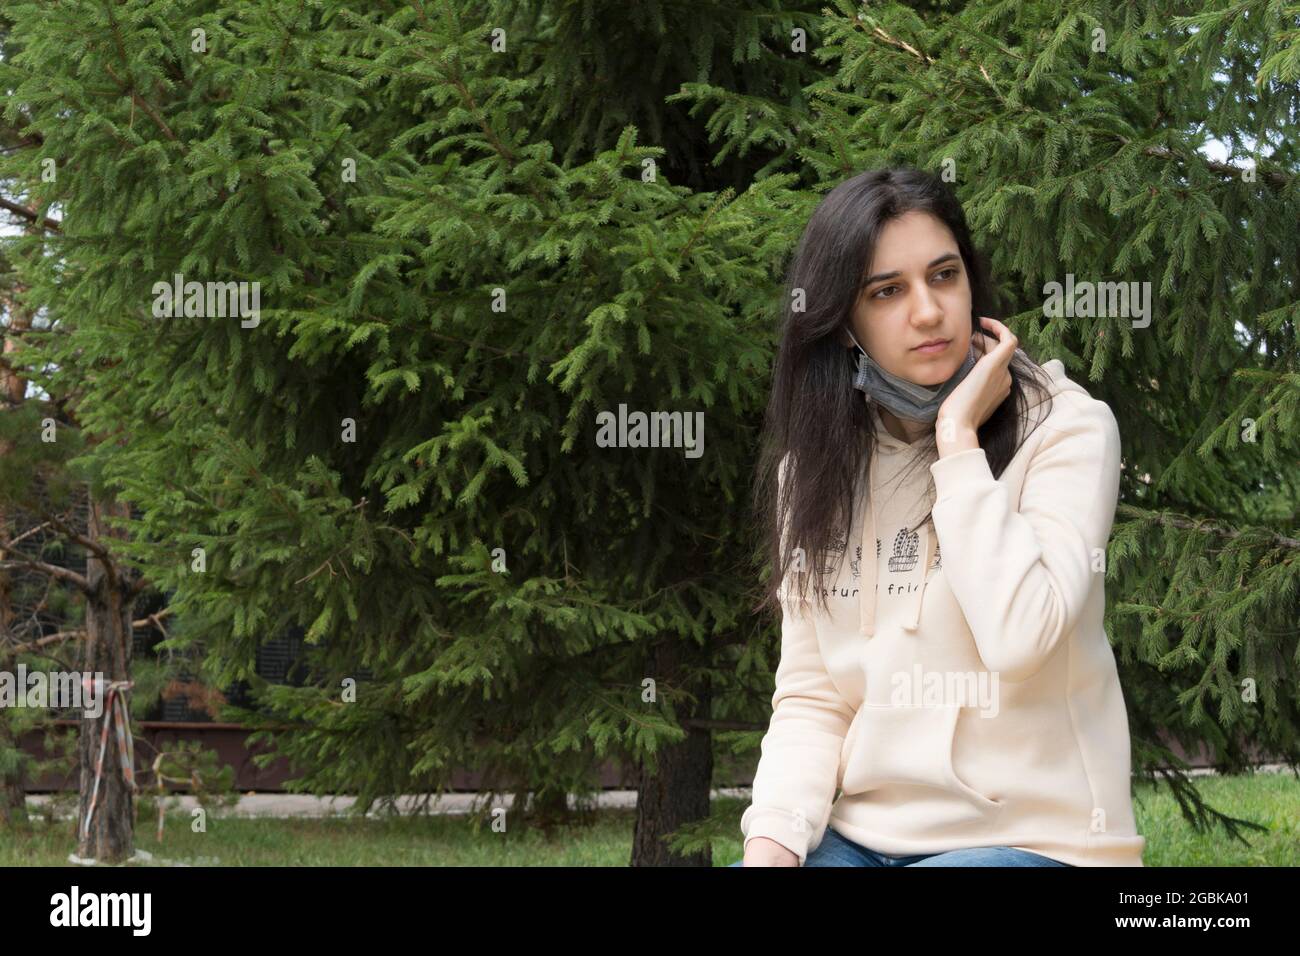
(986, 386)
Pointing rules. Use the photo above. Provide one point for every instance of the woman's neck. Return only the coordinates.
(905, 430)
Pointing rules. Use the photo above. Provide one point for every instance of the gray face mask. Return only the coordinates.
(918, 403)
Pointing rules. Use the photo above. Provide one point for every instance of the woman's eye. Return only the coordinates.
(949, 273)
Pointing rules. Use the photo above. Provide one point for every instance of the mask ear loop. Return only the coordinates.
(858, 370)
(857, 366)
(855, 340)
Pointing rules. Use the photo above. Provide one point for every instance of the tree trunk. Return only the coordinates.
(678, 792)
(108, 653)
(13, 789)
(13, 783)
(13, 389)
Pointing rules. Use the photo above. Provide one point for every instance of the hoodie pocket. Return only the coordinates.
(911, 746)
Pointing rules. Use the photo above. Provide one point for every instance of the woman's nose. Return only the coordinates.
(926, 310)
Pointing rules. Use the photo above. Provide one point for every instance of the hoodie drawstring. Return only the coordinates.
(867, 601)
(927, 550)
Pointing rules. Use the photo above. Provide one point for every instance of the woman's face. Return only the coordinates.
(918, 291)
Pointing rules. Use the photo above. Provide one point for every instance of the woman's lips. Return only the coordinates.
(932, 349)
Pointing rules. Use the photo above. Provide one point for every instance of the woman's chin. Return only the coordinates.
(934, 375)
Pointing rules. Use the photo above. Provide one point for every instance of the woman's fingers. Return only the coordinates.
(1007, 343)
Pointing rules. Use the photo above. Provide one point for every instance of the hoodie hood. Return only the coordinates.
(896, 454)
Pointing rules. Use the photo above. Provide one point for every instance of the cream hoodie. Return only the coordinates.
(968, 695)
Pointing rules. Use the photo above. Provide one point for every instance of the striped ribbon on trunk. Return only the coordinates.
(115, 707)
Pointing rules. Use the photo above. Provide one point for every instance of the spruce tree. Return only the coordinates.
(400, 453)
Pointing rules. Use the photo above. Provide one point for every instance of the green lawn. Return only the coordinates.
(1270, 799)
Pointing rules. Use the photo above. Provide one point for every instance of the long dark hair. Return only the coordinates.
(818, 437)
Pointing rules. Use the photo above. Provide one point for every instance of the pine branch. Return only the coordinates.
(73, 534)
(705, 723)
(31, 215)
(1190, 524)
(903, 45)
(59, 636)
(129, 88)
(53, 570)
(145, 106)
(1228, 170)
(47, 640)
(26, 534)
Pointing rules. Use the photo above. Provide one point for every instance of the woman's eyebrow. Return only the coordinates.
(893, 275)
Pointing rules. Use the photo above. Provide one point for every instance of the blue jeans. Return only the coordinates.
(837, 850)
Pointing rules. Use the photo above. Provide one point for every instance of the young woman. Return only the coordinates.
(949, 696)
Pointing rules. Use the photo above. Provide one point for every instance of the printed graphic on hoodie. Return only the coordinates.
(900, 572)
(905, 545)
(903, 558)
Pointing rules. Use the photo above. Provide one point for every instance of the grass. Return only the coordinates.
(1271, 799)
